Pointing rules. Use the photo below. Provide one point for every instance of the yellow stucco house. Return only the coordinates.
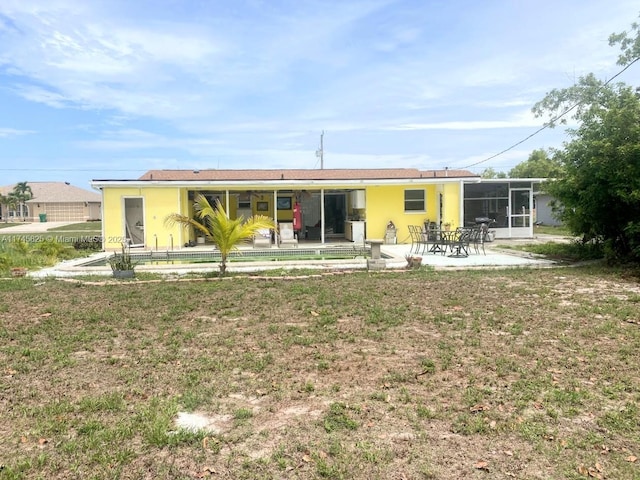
(325, 205)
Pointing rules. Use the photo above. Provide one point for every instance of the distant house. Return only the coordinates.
(544, 210)
(56, 202)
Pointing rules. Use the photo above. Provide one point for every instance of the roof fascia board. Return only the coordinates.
(98, 184)
(505, 180)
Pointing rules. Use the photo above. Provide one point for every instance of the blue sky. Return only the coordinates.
(109, 89)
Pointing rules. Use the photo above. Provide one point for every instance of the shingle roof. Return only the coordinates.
(301, 174)
(56, 192)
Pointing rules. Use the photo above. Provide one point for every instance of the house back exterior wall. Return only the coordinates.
(112, 222)
(384, 203)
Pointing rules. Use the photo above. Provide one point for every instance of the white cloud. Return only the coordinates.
(253, 83)
(132, 139)
(13, 132)
(41, 95)
(519, 120)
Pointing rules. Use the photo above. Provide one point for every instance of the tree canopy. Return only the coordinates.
(491, 173)
(598, 192)
(538, 165)
(22, 193)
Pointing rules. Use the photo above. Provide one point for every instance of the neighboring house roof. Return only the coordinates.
(302, 174)
(56, 192)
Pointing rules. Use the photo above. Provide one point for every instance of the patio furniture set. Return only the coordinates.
(285, 235)
(430, 238)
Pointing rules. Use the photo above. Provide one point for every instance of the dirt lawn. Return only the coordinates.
(525, 374)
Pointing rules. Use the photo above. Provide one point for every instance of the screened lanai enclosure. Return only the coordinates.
(508, 204)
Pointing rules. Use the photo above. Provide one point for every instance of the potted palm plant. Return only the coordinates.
(122, 265)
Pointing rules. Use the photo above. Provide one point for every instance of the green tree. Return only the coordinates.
(491, 173)
(538, 165)
(599, 190)
(225, 233)
(629, 44)
(4, 206)
(22, 193)
(10, 203)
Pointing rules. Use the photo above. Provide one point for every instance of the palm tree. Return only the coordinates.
(225, 233)
(4, 202)
(22, 192)
(10, 202)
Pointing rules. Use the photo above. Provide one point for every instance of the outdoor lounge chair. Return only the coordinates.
(287, 236)
(262, 238)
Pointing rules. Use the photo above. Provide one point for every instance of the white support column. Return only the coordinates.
(181, 230)
(275, 207)
(531, 211)
(322, 216)
(461, 206)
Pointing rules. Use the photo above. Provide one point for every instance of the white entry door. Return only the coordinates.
(134, 221)
(520, 212)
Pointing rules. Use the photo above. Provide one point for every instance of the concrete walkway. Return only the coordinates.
(26, 227)
(495, 258)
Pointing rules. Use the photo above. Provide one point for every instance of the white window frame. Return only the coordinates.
(415, 201)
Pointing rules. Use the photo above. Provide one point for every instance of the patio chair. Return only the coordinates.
(459, 242)
(418, 241)
(262, 238)
(287, 235)
(478, 237)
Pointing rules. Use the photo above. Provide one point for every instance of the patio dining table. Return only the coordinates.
(437, 239)
(444, 240)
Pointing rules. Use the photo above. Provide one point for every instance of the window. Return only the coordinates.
(284, 203)
(262, 206)
(414, 201)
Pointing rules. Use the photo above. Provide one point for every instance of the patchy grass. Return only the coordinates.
(418, 374)
(36, 250)
(564, 252)
(91, 227)
(66, 234)
(10, 224)
(551, 230)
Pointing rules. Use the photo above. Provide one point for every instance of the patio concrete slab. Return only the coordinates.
(494, 258)
(394, 258)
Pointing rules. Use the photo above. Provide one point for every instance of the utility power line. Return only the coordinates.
(548, 124)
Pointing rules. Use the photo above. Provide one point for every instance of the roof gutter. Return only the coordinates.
(99, 184)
